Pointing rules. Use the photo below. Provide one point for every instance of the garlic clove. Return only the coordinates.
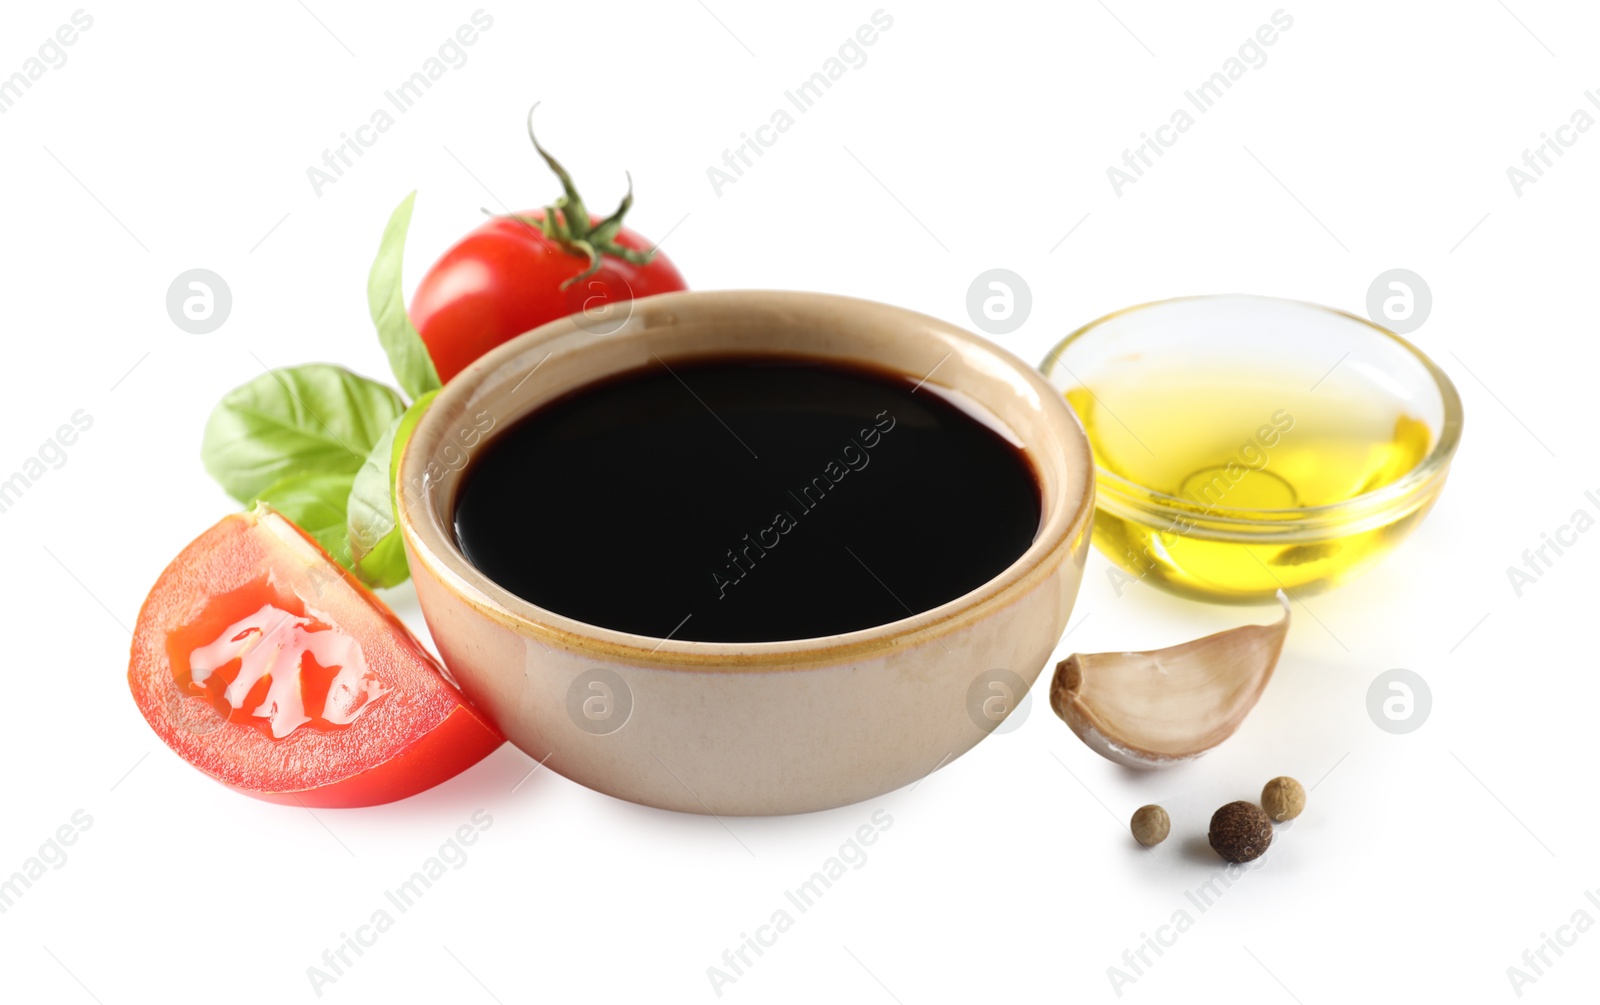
(1160, 708)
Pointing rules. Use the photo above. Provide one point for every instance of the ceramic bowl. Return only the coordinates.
(747, 728)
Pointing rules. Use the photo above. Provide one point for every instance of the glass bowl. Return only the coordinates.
(1249, 444)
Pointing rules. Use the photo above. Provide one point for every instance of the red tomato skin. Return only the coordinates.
(421, 734)
(463, 739)
(505, 278)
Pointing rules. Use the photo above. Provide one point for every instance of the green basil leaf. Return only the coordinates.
(374, 536)
(385, 565)
(315, 502)
(314, 418)
(408, 357)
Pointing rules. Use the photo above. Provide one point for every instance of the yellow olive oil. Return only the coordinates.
(1217, 476)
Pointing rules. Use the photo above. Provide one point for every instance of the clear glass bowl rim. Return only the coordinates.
(1397, 496)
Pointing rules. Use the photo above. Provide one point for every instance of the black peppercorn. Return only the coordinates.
(1240, 832)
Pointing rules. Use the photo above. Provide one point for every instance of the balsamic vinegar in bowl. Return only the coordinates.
(748, 499)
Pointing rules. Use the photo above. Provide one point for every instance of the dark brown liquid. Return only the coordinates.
(747, 500)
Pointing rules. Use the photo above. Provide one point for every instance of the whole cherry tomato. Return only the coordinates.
(515, 273)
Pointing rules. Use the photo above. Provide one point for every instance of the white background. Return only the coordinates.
(1376, 136)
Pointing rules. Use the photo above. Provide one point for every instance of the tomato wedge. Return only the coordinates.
(261, 662)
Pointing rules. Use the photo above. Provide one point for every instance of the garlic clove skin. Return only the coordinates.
(1164, 707)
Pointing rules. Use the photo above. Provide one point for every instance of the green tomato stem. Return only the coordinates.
(566, 221)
